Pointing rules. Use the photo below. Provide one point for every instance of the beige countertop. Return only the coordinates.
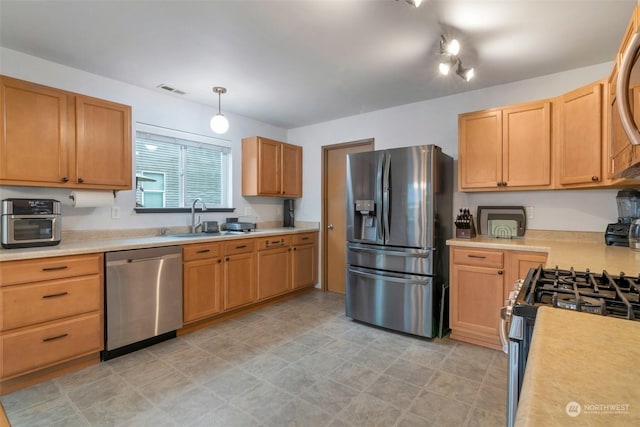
(579, 250)
(585, 363)
(104, 242)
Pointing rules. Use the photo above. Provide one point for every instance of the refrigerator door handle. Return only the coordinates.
(386, 195)
(388, 252)
(417, 281)
(379, 172)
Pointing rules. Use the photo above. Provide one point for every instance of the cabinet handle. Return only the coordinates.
(227, 259)
(57, 337)
(499, 272)
(62, 267)
(241, 246)
(80, 180)
(220, 260)
(61, 294)
(305, 238)
(477, 256)
(64, 179)
(295, 249)
(595, 178)
(203, 251)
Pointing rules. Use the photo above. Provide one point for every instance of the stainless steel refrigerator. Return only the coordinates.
(399, 215)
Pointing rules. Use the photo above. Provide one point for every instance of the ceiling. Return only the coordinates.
(292, 63)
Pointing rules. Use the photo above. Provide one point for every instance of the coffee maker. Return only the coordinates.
(628, 201)
(289, 213)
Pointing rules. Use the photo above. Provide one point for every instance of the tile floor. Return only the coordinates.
(300, 362)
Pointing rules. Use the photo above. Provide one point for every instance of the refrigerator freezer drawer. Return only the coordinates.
(412, 261)
(397, 301)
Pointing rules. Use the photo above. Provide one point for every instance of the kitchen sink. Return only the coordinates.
(192, 235)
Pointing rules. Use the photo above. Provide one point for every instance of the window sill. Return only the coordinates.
(179, 210)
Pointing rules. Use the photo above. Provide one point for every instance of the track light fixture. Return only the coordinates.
(415, 3)
(450, 50)
(219, 123)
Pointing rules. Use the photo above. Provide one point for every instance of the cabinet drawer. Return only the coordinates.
(481, 258)
(39, 347)
(303, 238)
(24, 305)
(201, 251)
(272, 242)
(239, 246)
(35, 270)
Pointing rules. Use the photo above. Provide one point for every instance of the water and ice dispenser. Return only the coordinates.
(365, 224)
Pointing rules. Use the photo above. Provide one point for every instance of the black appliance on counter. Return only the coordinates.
(597, 293)
(289, 213)
(617, 234)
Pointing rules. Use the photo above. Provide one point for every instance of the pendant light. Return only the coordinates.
(219, 123)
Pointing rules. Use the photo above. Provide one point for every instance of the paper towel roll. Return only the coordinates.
(91, 199)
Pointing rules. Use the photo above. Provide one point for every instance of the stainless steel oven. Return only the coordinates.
(30, 222)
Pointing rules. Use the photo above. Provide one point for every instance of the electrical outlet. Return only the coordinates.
(115, 212)
(531, 213)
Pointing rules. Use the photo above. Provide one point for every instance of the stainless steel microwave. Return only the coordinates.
(30, 222)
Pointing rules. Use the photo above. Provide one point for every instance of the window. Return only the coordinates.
(173, 168)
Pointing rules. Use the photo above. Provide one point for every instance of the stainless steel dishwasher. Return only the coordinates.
(143, 298)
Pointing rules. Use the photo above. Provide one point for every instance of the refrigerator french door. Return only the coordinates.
(399, 214)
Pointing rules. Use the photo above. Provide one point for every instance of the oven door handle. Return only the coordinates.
(503, 328)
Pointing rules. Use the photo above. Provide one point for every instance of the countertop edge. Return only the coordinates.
(79, 247)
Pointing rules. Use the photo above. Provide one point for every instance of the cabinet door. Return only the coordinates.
(291, 170)
(518, 266)
(580, 141)
(103, 143)
(526, 160)
(476, 298)
(304, 266)
(269, 167)
(202, 288)
(480, 149)
(33, 134)
(239, 280)
(273, 272)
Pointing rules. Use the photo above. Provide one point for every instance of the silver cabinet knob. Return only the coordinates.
(330, 226)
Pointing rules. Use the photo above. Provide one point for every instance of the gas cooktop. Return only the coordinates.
(586, 291)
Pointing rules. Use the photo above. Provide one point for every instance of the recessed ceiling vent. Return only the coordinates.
(171, 89)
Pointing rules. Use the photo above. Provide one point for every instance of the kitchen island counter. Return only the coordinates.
(565, 249)
(581, 370)
(95, 245)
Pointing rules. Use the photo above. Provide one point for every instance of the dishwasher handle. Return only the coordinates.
(148, 259)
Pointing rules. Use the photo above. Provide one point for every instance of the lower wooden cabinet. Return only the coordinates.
(239, 273)
(50, 314)
(274, 266)
(202, 281)
(480, 281)
(304, 260)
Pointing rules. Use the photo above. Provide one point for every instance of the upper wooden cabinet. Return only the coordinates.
(54, 138)
(508, 148)
(271, 168)
(624, 157)
(579, 116)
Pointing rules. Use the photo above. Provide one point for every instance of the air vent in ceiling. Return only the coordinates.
(171, 89)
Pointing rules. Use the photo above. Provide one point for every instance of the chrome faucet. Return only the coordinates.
(194, 226)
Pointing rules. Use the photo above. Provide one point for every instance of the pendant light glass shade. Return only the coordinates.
(219, 123)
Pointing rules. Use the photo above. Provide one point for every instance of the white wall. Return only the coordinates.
(436, 122)
(433, 121)
(151, 107)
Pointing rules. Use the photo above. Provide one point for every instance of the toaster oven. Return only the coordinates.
(30, 223)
